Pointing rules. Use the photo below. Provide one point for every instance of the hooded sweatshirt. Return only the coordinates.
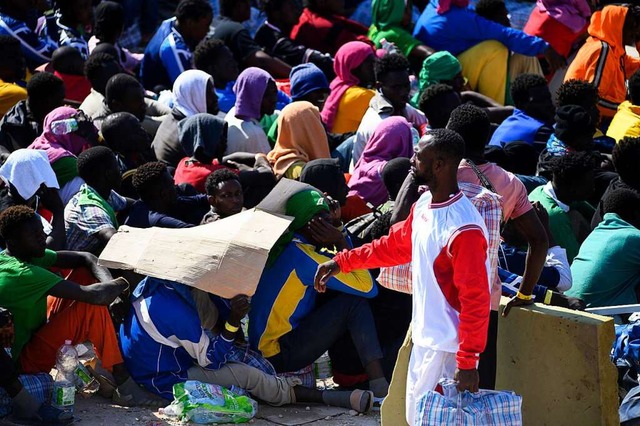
(603, 60)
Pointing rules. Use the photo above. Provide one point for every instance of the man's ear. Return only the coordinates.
(211, 199)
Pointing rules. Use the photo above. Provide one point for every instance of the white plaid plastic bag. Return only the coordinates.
(484, 408)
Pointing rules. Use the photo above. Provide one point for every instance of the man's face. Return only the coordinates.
(317, 98)
(269, 99)
(197, 29)
(225, 68)
(133, 103)
(169, 191)
(31, 241)
(228, 198)
(424, 162)
(540, 104)
(459, 83)
(135, 138)
(113, 176)
(396, 87)
(366, 73)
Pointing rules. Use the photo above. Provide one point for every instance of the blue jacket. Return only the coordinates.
(461, 28)
(517, 127)
(165, 58)
(162, 338)
(37, 50)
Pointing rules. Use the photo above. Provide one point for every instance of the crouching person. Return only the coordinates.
(164, 343)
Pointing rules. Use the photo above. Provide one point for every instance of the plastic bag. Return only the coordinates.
(205, 403)
(484, 408)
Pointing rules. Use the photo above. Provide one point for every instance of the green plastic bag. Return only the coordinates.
(205, 403)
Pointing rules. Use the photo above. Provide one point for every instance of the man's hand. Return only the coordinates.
(324, 273)
(555, 60)
(336, 211)
(119, 309)
(239, 308)
(326, 234)
(467, 380)
(515, 302)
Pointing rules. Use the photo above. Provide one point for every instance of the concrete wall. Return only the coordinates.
(558, 360)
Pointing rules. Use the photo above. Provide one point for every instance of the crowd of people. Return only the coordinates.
(450, 159)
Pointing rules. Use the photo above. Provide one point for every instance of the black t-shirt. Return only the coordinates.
(235, 37)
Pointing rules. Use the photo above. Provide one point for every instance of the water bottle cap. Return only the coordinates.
(67, 342)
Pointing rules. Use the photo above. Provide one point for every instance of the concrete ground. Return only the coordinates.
(97, 411)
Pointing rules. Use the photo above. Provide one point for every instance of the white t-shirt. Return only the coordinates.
(245, 135)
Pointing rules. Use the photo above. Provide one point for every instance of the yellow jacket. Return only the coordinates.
(626, 122)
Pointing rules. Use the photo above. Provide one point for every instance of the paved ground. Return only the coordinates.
(97, 411)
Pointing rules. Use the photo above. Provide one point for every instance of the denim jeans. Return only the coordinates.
(322, 327)
(344, 153)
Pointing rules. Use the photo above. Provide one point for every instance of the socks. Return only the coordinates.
(24, 405)
(379, 387)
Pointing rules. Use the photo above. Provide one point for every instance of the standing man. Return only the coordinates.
(445, 238)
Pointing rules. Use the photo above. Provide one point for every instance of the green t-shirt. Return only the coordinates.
(65, 169)
(403, 40)
(606, 271)
(23, 291)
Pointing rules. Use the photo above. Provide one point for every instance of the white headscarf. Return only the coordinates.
(27, 170)
(190, 92)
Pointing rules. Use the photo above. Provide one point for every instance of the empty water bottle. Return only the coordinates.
(64, 127)
(389, 47)
(64, 388)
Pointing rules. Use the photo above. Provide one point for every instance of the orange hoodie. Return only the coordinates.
(603, 60)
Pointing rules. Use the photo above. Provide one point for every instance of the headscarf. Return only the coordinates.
(387, 13)
(349, 57)
(59, 146)
(441, 66)
(391, 139)
(301, 137)
(27, 170)
(201, 131)
(302, 206)
(326, 176)
(573, 14)
(445, 5)
(190, 92)
(249, 90)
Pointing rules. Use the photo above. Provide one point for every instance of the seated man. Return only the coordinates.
(12, 70)
(626, 122)
(24, 286)
(67, 26)
(532, 120)
(40, 190)
(22, 124)
(392, 75)
(285, 312)
(224, 192)
(603, 60)
(161, 351)
(606, 267)
(228, 28)
(169, 52)
(323, 27)
(483, 47)
(68, 66)
(437, 103)
(124, 134)
(564, 200)
(18, 20)
(626, 157)
(309, 83)
(159, 203)
(273, 36)
(90, 217)
(25, 407)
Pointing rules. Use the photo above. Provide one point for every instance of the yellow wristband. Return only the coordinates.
(230, 328)
(524, 296)
(547, 297)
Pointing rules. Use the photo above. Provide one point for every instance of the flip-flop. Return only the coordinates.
(358, 397)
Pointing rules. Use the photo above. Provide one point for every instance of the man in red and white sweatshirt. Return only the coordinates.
(445, 238)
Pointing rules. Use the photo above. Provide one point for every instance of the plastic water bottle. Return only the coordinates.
(64, 127)
(64, 389)
(322, 368)
(389, 47)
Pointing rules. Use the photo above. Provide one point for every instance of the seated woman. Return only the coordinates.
(391, 20)
(391, 139)
(483, 47)
(256, 95)
(109, 24)
(301, 138)
(67, 132)
(193, 93)
(350, 90)
(204, 140)
(161, 351)
(287, 324)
